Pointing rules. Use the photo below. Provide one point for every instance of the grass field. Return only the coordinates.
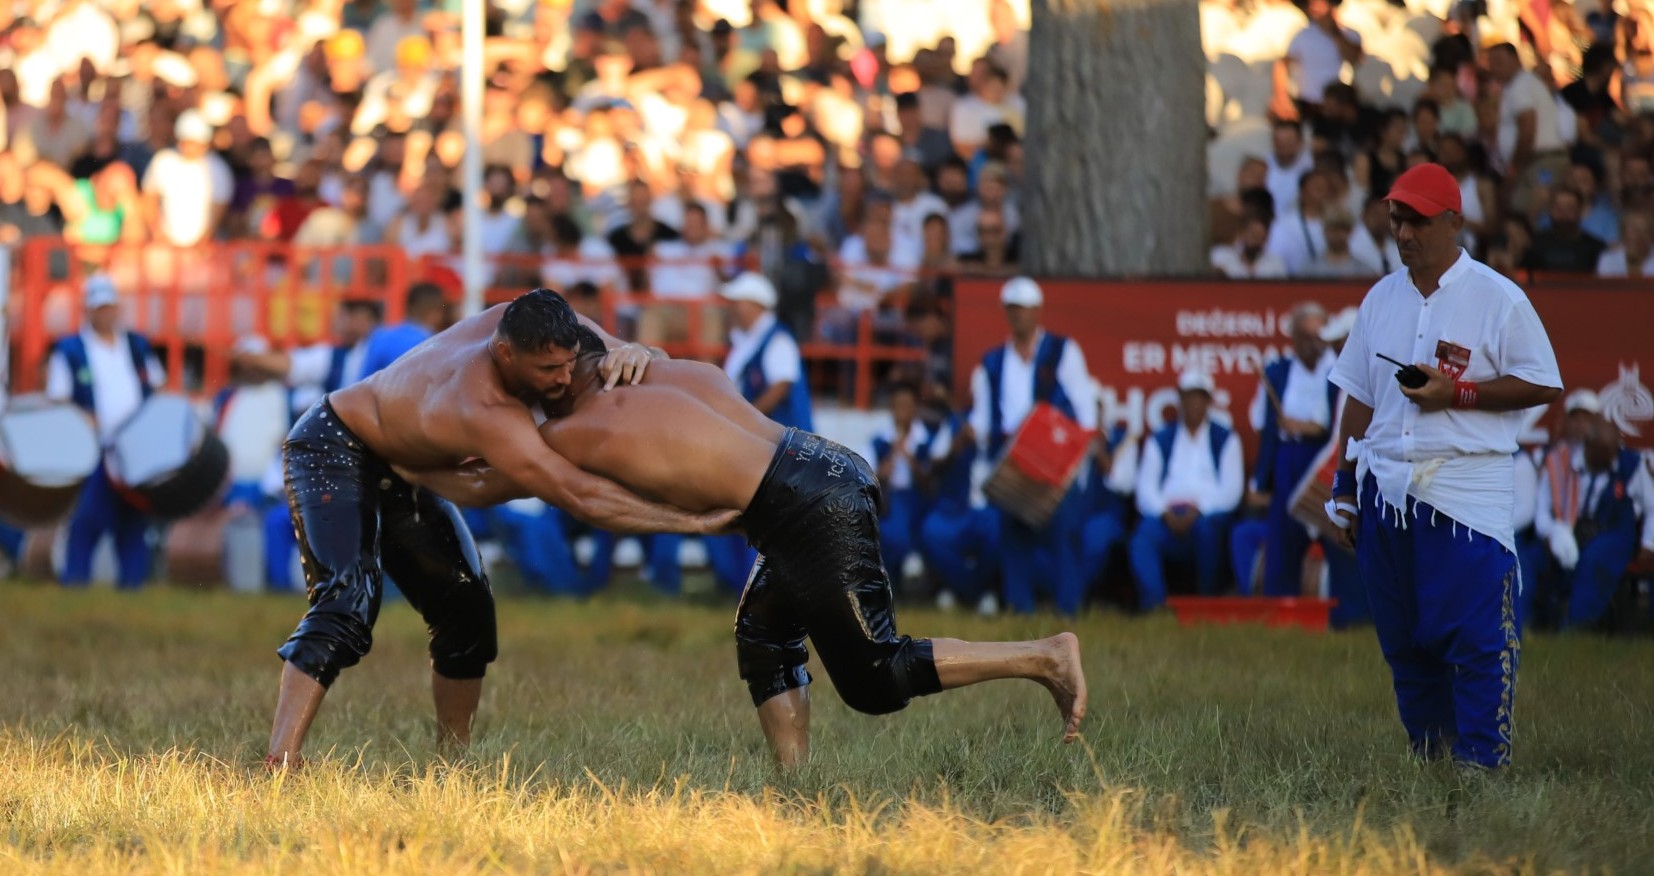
(616, 737)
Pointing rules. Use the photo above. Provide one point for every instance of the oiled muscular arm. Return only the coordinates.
(473, 485)
(505, 436)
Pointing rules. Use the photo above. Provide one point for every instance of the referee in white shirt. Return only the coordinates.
(1427, 489)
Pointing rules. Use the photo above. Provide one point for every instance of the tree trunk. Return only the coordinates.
(1115, 153)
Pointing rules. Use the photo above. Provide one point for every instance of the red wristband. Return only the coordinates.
(1465, 393)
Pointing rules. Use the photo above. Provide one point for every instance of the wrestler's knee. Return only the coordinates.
(327, 643)
(885, 680)
(464, 641)
(771, 667)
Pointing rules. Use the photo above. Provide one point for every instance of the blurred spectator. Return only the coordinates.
(870, 277)
(1246, 258)
(931, 146)
(26, 204)
(1530, 143)
(1289, 160)
(282, 221)
(1376, 217)
(1313, 60)
(398, 21)
(1477, 192)
(636, 238)
(1378, 167)
(1229, 211)
(1634, 257)
(999, 253)
(904, 451)
(53, 135)
(1336, 262)
(1565, 246)
(989, 101)
(345, 225)
(1457, 115)
(1592, 96)
(686, 269)
(188, 190)
(913, 201)
(424, 229)
(1600, 220)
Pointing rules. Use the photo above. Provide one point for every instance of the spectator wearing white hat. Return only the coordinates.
(187, 189)
(1189, 484)
(1560, 479)
(1032, 367)
(107, 372)
(765, 363)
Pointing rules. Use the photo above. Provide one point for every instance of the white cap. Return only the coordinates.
(1022, 292)
(252, 344)
(753, 287)
(1583, 400)
(100, 292)
(1338, 328)
(192, 127)
(1192, 380)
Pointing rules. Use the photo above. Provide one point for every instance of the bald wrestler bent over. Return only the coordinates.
(686, 438)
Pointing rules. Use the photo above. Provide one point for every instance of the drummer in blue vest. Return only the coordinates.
(1616, 490)
(765, 363)
(1188, 487)
(108, 373)
(1295, 405)
(1034, 366)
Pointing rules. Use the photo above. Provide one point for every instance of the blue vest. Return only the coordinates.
(794, 410)
(73, 350)
(1046, 386)
(336, 369)
(1614, 510)
(883, 446)
(953, 486)
(1216, 434)
(1269, 437)
(1102, 499)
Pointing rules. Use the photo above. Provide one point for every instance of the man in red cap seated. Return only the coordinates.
(1427, 483)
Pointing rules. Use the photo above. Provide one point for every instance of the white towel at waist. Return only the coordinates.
(1477, 491)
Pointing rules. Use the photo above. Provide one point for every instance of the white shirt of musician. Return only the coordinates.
(901, 472)
(1305, 397)
(307, 369)
(1459, 461)
(782, 361)
(1016, 389)
(1190, 478)
(116, 393)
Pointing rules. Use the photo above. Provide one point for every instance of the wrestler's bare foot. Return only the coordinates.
(1065, 679)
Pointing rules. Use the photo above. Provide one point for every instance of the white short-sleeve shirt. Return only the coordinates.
(1475, 308)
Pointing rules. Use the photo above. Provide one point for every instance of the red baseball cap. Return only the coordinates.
(1427, 188)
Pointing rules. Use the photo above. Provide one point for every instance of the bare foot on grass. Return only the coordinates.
(1066, 681)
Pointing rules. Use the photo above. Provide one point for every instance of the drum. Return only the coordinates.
(47, 451)
(1040, 466)
(165, 461)
(1307, 504)
(252, 425)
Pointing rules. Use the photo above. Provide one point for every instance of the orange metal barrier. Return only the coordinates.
(207, 297)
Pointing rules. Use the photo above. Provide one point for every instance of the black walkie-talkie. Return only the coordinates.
(1410, 376)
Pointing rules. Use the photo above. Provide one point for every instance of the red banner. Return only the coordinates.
(1138, 336)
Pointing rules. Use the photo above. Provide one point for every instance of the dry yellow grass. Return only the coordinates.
(616, 738)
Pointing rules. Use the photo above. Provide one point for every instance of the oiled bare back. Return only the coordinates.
(683, 436)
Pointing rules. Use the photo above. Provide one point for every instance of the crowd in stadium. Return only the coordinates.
(771, 152)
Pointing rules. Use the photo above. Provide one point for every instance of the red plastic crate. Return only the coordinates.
(1271, 611)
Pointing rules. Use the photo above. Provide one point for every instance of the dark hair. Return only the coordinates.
(583, 289)
(1598, 58)
(694, 207)
(954, 162)
(1258, 203)
(907, 100)
(902, 386)
(589, 341)
(565, 230)
(425, 295)
(539, 320)
(365, 306)
(1425, 103)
